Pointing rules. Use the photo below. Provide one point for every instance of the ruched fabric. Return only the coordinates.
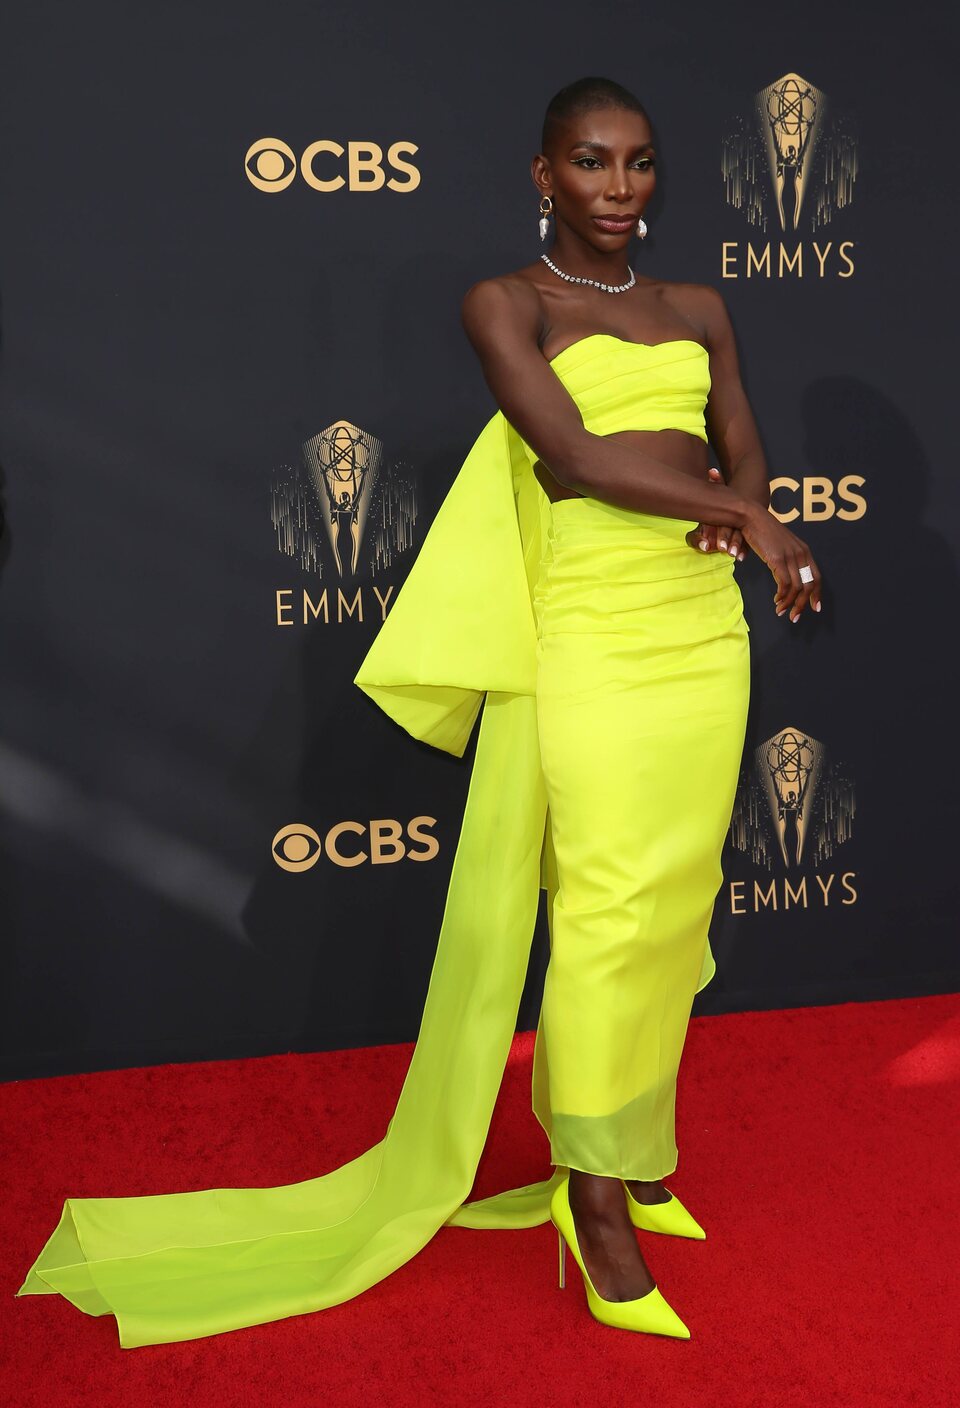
(621, 385)
(464, 638)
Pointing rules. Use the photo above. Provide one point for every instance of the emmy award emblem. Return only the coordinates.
(792, 150)
(346, 495)
(343, 462)
(792, 114)
(793, 799)
(790, 110)
(792, 766)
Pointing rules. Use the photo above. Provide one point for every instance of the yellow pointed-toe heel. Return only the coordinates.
(670, 1217)
(650, 1314)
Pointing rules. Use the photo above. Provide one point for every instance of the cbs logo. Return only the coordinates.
(271, 165)
(349, 843)
(820, 498)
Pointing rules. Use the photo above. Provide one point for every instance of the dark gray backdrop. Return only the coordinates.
(172, 336)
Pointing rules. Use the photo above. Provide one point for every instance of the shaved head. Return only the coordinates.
(585, 95)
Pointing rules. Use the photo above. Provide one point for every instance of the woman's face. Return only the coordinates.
(600, 172)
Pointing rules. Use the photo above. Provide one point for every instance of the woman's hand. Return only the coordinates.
(784, 553)
(709, 537)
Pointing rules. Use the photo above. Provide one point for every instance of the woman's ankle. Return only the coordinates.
(646, 1191)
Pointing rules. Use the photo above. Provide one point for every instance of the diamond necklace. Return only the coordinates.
(594, 283)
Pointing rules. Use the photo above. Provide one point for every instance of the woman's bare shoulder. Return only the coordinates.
(700, 304)
(504, 303)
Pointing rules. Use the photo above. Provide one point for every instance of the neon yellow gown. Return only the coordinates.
(611, 663)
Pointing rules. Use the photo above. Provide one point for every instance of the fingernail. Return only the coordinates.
(794, 620)
(723, 543)
(732, 551)
(703, 544)
(816, 605)
(741, 556)
(781, 611)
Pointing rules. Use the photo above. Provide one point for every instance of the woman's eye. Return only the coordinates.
(643, 162)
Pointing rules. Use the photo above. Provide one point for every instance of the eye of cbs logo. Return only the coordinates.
(349, 843)
(271, 165)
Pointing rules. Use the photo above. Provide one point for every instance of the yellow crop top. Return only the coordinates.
(621, 385)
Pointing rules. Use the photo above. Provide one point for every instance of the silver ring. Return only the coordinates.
(806, 573)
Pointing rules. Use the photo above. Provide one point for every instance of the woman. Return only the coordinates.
(567, 590)
(614, 687)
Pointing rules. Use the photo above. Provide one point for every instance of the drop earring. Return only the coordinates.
(544, 216)
(641, 227)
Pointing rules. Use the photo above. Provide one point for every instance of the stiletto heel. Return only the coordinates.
(670, 1217)
(650, 1313)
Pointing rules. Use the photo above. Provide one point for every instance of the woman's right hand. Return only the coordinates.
(784, 553)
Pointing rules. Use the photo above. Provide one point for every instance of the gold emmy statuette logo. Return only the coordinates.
(789, 165)
(791, 767)
(381, 842)
(790, 111)
(346, 508)
(342, 464)
(794, 808)
(271, 165)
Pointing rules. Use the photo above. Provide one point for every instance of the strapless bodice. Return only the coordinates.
(620, 385)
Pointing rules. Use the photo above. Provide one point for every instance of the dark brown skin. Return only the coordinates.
(516, 324)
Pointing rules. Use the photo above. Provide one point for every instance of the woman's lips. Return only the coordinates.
(615, 225)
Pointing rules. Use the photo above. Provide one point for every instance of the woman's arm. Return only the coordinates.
(501, 318)
(730, 426)
(730, 423)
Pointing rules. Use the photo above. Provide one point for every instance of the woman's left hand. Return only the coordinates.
(712, 537)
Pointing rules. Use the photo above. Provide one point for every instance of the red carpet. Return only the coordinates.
(818, 1147)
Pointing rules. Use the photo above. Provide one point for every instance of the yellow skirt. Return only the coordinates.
(642, 692)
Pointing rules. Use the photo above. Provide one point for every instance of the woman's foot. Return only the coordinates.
(647, 1192)
(608, 1243)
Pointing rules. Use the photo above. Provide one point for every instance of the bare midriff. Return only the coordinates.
(677, 448)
